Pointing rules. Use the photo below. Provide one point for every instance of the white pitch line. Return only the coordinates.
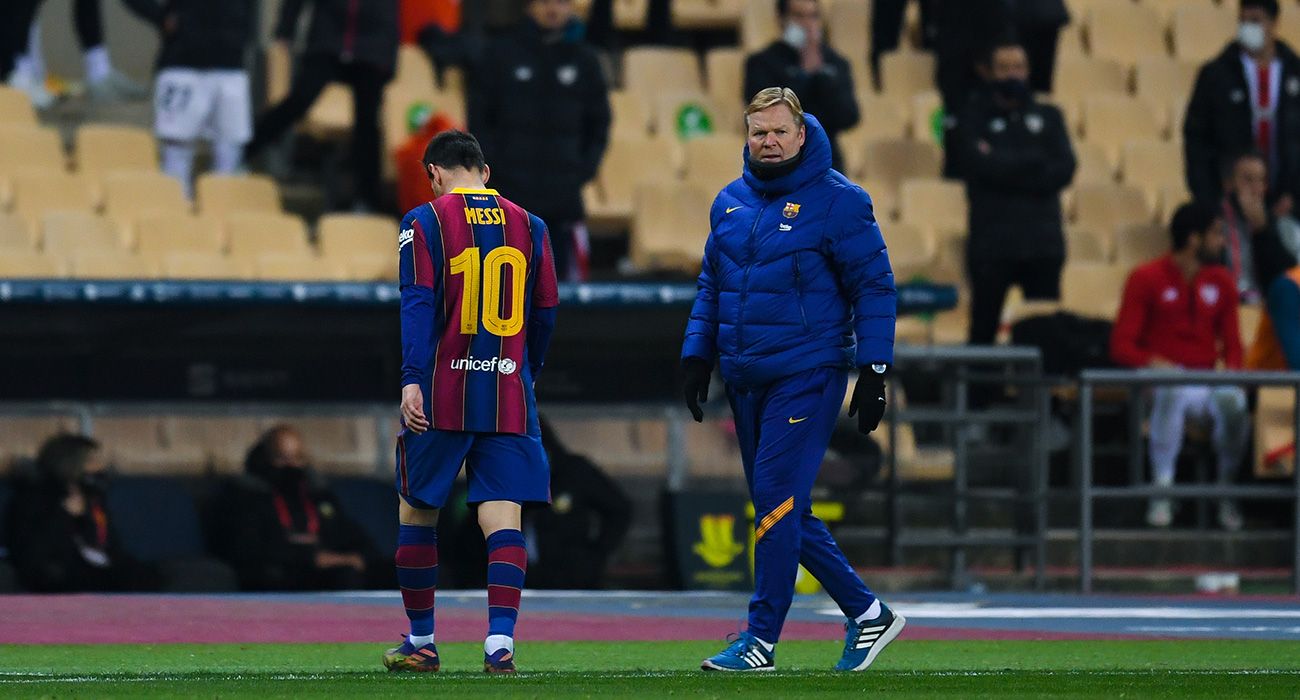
(924, 612)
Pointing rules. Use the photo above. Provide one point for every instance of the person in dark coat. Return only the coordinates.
(352, 42)
(1015, 157)
(280, 531)
(60, 537)
(542, 79)
(1231, 111)
(801, 61)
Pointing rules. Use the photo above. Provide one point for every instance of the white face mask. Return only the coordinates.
(795, 35)
(1251, 35)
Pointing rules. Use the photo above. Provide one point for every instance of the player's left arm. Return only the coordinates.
(856, 249)
(546, 297)
(417, 281)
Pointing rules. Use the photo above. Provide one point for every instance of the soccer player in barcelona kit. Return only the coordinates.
(478, 305)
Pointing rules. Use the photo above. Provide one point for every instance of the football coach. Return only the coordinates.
(795, 291)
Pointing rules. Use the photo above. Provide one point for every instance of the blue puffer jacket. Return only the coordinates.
(794, 268)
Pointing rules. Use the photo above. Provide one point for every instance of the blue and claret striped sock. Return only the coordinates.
(507, 561)
(417, 575)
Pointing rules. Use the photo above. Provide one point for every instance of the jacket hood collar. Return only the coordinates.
(816, 161)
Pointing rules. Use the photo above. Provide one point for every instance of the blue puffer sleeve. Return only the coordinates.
(856, 250)
(702, 328)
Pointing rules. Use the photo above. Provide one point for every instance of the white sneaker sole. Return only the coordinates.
(707, 665)
(889, 635)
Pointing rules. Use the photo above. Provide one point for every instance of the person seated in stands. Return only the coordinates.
(280, 531)
(1257, 237)
(1180, 312)
(61, 539)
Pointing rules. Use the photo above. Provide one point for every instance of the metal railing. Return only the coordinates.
(1088, 493)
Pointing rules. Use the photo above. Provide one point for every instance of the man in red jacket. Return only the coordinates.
(1180, 311)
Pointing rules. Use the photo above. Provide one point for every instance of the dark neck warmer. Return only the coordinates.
(771, 171)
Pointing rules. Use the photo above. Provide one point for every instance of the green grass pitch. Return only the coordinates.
(921, 669)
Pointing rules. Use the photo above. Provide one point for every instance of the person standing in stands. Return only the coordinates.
(61, 539)
(1247, 97)
(202, 88)
(350, 41)
(801, 60)
(1015, 156)
(542, 78)
(1179, 311)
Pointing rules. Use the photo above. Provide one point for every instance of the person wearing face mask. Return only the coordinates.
(281, 531)
(801, 60)
(61, 537)
(795, 289)
(1247, 97)
(1257, 238)
(542, 78)
(1015, 157)
(1179, 311)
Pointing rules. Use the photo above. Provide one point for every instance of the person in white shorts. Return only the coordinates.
(202, 89)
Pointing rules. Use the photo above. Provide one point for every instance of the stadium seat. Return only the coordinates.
(1079, 77)
(924, 105)
(1110, 121)
(912, 249)
(1092, 290)
(102, 148)
(848, 28)
(706, 14)
(1153, 166)
(1166, 8)
(251, 235)
(16, 107)
(38, 192)
(132, 196)
(279, 71)
(1288, 27)
(884, 198)
(1162, 79)
(414, 67)
(298, 267)
(111, 265)
(369, 503)
(65, 231)
(624, 167)
(936, 204)
(905, 73)
(343, 445)
(1274, 432)
(1172, 196)
(158, 235)
(669, 114)
(224, 441)
(21, 436)
(632, 115)
(196, 265)
(1139, 243)
(372, 268)
(1104, 207)
(724, 69)
(1069, 42)
(669, 227)
(1124, 31)
(30, 147)
(650, 71)
(891, 161)
(1248, 318)
(629, 15)
(1202, 30)
(883, 119)
(137, 445)
(219, 195)
(29, 264)
(1086, 246)
(1093, 167)
(16, 234)
(758, 24)
(341, 236)
(330, 117)
(713, 161)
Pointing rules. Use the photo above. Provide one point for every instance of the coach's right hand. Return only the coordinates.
(413, 409)
(698, 374)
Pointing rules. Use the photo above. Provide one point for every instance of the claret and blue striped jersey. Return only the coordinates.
(478, 298)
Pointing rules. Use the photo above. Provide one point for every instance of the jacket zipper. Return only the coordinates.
(798, 290)
(744, 284)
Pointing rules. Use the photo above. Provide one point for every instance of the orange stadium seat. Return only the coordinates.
(1079, 77)
(18, 264)
(16, 107)
(1201, 30)
(131, 196)
(669, 227)
(1124, 31)
(1086, 246)
(111, 264)
(1092, 290)
(157, 235)
(102, 148)
(201, 265)
(652, 70)
(66, 231)
(220, 195)
(906, 72)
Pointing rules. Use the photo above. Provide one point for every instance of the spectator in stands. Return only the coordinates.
(585, 522)
(61, 538)
(887, 29)
(1277, 339)
(1257, 239)
(202, 86)
(802, 61)
(543, 79)
(1016, 157)
(281, 532)
(1180, 312)
(350, 42)
(1247, 97)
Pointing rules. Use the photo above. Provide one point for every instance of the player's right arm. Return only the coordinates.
(416, 274)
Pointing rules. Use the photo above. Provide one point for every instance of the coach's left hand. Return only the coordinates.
(868, 400)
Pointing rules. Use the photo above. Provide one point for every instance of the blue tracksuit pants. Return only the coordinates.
(784, 429)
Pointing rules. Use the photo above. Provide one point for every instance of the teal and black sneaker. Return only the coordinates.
(745, 653)
(863, 641)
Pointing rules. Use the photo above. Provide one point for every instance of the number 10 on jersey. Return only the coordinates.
(483, 287)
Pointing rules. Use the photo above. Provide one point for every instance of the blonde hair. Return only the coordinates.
(773, 96)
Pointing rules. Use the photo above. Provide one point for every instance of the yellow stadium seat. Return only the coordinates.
(632, 115)
(906, 73)
(102, 148)
(1202, 30)
(223, 441)
(30, 147)
(1274, 432)
(1162, 79)
(924, 106)
(341, 236)
(1069, 43)
(111, 264)
(141, 445)
(670, 108)
(1105, 207)
(297, 267)
(1288, 27)
(652, 70)
(197, 265)
(713, 161)
(21, 264)
(1124, 31)
(251, 235)
(21, 436)
(131, 196)
(64, 232)
(38, 192)
(1172, 196)
(848, 26)
(340, 445)
(1139, 243)
(279, 71)
(1092, 290)
(1085, 246)
(1110, 121)
(1166, 8)
(725, 72)
(912, 249)
(1153, 166)
(759, 25)
(669, 227)
(370, 267)
(933, 203)
(706, 14)
(16, 234)
(629, 15)
(330, 117)
(883, 119)
(414, 67)
(1079, 77)
(16, 107)
(623, 168)
(889, 162)
(220, 195)
(158, 235)
(1093, 166)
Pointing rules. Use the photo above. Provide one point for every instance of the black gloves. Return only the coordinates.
(869, 397)
(697, 373)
